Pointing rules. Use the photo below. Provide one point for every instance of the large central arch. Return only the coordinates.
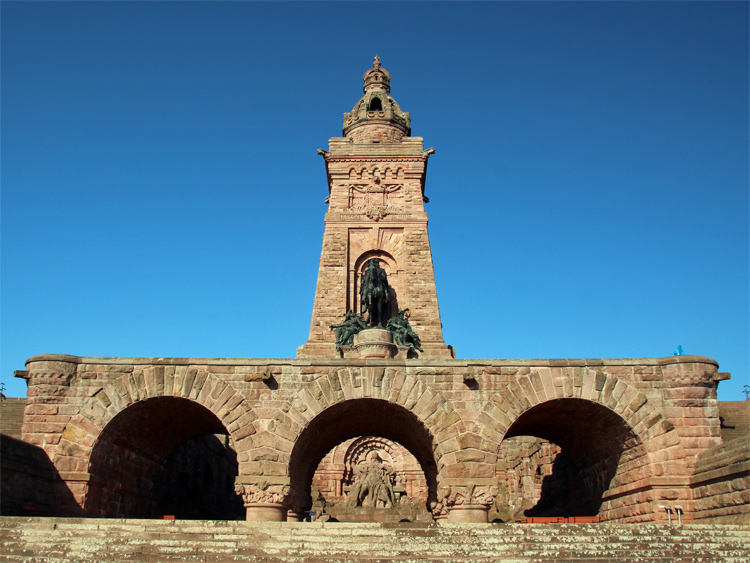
(359, 417)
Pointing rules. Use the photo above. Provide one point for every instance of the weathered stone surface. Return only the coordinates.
(87, 541)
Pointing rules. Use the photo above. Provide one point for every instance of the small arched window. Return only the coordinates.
(375, 105)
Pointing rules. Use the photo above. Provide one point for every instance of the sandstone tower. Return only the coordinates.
(376, 181)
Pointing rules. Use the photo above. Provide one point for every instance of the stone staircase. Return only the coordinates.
(61, 540)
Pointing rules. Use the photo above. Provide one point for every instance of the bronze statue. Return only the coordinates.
(403, 332)
(346, 331)
(375, 294)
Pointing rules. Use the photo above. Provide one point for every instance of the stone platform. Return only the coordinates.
(57, 540)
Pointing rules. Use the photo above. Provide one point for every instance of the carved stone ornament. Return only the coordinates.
(263, 493)
(470, 494)
(373, 484)
(375, 194)
(376, 213)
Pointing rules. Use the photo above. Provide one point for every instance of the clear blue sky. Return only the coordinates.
(161, 195)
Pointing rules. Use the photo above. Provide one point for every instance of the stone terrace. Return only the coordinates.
(54, 540)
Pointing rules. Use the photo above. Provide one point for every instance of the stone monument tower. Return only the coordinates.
(376, 182)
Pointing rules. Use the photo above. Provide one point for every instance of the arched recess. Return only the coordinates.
(649, 447)
(390, 388)
(205, 389)
(163, 455)
(596, 451)
(353, 418)
(389, 264)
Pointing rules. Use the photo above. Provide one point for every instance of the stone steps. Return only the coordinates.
(59, 540)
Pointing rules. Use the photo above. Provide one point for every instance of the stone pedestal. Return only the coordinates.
(375, 343)
(295, 517)
(268, 512)
(474, 513)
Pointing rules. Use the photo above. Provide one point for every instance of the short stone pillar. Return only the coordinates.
(375, 343)
(292, 516)
(267, 512)
(467, 502)
(264, 502)
(474, 513)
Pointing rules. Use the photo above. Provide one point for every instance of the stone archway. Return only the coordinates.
(354, 418)
(564, 455)
(163, 455)
(270, 470)
(198, 392)
(650, 458)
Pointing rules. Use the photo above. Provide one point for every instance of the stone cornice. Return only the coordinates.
(454, 363)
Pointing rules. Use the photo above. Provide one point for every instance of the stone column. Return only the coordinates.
(264, 501)
(465, 503)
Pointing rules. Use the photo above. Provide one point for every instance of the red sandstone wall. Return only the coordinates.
(265, 405)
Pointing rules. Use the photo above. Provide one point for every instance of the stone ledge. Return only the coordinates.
(645, 485)
(736, 470)
(446, 362)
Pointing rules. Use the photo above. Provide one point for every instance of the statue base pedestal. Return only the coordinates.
(375, 343)
(474, 513)
(265, 512)
(295, 517)
(389, 515)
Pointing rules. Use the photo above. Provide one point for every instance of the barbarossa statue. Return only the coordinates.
(375, 294)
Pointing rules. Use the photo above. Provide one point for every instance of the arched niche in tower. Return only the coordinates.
(389, 264)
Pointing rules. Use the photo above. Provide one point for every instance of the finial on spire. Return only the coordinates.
(377, 77)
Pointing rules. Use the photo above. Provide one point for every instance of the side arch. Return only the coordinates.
(541, 385)
(612, 438)
(203, 394)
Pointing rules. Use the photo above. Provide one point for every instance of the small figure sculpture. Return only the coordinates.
(403, 332)
(346, 331)
(375, 294)
(373, 484)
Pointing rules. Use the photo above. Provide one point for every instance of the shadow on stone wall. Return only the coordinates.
(197, 481)
(31, 486)
(164, 456)
(562, 456)
(573, 489)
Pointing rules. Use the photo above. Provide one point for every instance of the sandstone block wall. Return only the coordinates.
(618, 418)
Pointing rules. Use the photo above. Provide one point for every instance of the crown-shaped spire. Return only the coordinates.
(377, 117)
(377, 78)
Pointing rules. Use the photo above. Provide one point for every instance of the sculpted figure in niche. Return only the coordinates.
(373, 484)
(403, 332)
(346, 331)
(375, 294)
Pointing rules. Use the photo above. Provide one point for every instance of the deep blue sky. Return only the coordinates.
(161, 195)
